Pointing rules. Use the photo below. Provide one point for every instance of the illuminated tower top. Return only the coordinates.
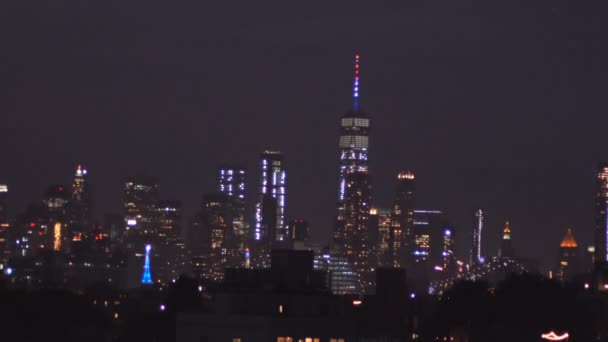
(568, 241)
(506, 248)
(354, 137)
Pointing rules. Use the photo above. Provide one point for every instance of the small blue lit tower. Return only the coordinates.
(146, 278)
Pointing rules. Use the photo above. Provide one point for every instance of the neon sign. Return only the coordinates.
(552, 336)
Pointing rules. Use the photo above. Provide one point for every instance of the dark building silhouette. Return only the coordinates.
(299, 230)
(290, 301)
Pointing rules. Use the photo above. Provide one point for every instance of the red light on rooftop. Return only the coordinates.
(32, 224)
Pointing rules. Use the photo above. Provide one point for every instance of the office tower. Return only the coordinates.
(5, 236)
(601, 219)
(352, 236)
(380, 224)
(217, 232)
(140, 198)
(56, 200)
(506, 247)
(427, 236)
(353, 145)
(568, 263)
(475, 256)
(299, 230)
(448, 257)
(231, 182)
(402, 221)
(79, 206)
(270, 208)
(342, 277)
(171, 250)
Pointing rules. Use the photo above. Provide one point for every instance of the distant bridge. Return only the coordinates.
(493, 270)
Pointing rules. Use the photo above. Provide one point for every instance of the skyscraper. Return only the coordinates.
(475, 256)
(140, 199)
(402, 221)
(5, 238)
(79, 206)
(270, 208)
(231, 182)
(353, 143)
(569, 258)
(352, 237)
(601, 219)
(506, 247)
(216, 228)
(171, 249)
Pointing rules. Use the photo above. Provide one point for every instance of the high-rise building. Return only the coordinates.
(506, 247)
(172, 255)
(140, 200)
(299, 230)
(342, 277)
(141, 196)
(353, 143)
(380, 224)
(569, 258)
(216, 227)
(231, 182)
(427, 235)
(56, 201)
(352, 237)
(79, 206)
(448, 257)
(601, 219)
(475, 256)
(5, 236)
(270, 225)
(402, 221)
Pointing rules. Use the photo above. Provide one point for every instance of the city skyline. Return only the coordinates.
(502, 147)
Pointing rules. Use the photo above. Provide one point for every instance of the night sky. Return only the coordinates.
(493, 104)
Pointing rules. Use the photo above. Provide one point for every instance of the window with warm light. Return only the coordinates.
(236, 339)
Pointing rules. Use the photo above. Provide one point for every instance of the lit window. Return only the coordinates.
(236, 339)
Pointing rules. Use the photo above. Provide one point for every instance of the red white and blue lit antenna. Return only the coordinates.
(356, 85)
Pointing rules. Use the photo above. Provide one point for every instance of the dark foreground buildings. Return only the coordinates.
(291, 302)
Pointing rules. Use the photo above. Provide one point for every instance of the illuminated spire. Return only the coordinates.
(146, 278)
(506, 233)
(568, 241)
(356, 85)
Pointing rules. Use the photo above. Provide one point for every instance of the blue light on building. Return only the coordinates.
(146, 278)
